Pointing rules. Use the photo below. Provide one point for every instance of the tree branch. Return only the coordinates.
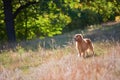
(22, 7)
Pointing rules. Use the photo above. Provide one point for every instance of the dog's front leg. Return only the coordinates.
(79, 54)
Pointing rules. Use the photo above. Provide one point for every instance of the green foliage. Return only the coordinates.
(45, 25)
(88, 17)
(50, 24)
(52, 17)
(106, 9)
(91, 12)
(46, 20)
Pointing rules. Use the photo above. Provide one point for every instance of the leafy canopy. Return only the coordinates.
(52, 17)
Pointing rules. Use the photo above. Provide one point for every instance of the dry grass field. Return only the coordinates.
(56, 58)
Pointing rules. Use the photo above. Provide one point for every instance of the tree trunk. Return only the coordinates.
(9, 20)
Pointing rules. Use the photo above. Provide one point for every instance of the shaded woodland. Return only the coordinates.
(30, 19)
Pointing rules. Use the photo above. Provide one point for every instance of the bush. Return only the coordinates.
(92, 12)
(88, 17)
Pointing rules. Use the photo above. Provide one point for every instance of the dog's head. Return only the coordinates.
(78, 37)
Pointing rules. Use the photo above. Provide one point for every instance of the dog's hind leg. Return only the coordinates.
(91, 47)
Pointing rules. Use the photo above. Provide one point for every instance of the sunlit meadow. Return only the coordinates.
(56, 58)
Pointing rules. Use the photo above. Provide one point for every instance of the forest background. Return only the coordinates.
(30, 19)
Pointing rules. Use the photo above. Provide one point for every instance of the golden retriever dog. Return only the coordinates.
(83, 45)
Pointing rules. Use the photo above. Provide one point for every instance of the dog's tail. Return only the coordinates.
(89, 41)
(91, 47)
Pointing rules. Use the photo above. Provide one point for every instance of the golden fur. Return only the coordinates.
(83, 45)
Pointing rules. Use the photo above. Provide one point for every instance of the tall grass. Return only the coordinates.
(69, 66)
(56, 58)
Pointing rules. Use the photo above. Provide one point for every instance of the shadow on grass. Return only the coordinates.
(106, 33)
(91, 55)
